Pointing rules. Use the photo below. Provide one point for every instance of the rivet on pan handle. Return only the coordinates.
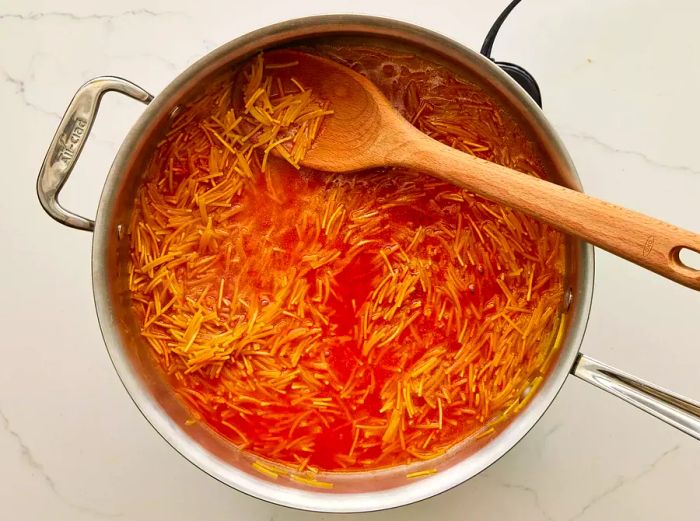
(676, 410)
(69, 141)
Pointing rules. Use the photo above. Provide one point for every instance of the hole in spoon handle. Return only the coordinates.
(687, 257)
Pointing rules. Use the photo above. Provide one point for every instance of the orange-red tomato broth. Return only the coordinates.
(341, 322)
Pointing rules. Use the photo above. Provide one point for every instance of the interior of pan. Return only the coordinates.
(132, 358)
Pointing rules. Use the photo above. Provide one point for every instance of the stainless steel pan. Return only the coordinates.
(352, 492)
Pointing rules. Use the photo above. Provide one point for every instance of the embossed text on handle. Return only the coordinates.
(71, 143)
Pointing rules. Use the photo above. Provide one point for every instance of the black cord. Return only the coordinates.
(491, 36)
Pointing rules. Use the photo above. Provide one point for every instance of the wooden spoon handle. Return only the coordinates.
(644, 240)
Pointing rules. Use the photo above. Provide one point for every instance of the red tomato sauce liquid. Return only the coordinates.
(397, 348)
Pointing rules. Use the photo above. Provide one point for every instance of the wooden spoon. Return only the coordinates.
(365, 131)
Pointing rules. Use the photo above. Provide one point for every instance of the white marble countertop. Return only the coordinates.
(620, 82)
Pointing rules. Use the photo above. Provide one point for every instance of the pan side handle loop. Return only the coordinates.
(68, 143)
(678, 411)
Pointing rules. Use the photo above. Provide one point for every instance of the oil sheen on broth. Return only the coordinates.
(341, 322)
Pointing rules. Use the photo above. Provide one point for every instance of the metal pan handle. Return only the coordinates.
(69, 141)
(676, 410)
